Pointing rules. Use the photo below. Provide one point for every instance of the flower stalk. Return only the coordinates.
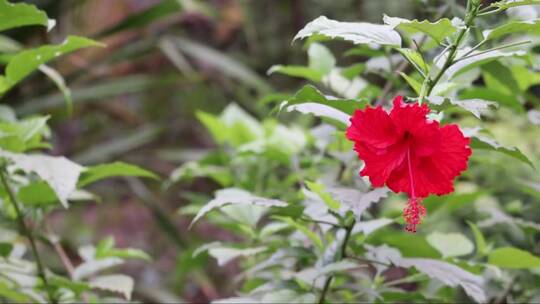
(28, 234)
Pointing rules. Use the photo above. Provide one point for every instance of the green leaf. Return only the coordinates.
(416, 59)
(474, 106)
(115, 282)
(13, 293)
(37, 194)
(413, 83)
(476, 59)
(214, 125)
(21, 14)
(77, 287)
(506, 100)
(357, 32)
(23, 135)
(235, 196)
(513, 258)
(479, 141)
(105, 249)
(353, 71)
(116, 169)
(450, 244)
(310, 100)
(319, 189)
(513, 3)
(481, 246)
(223, 255)
(305, 230)
(436, 30)
(512, 27)
(320, 58)
(25, 62)
(410, 245)
(60, 173)
(191, 170)
(297, 71)
(321, 62)
(500, 78)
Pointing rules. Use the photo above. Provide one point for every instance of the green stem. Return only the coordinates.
(342, 255)
(26, 231)
(472, 11)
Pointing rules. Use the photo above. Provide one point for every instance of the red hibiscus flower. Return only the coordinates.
(409, 153)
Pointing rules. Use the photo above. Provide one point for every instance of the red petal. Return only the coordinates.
(373, 127)
(434, 174)
(408, 117)
(379, 163)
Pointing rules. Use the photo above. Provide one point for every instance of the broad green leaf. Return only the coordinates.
(297, 71)
(95, 173)
(214, 125)
(504, 4)
(223, 255)
(436, 30)
(14, 293)
(234, 126)
(310, 100)
(413, 83)
(353, 71)
(25, 62)
(23, 135)
(320, 190)
(305, 230)
(356, 200)
(77, 287)
(410, 245)
(511, 27)
(37, 194)
(357, 32)
(320, 58)
(506, 100)
(481, 246)
(190, 170)
(500, 78)
(450, 244)
(448, 274)
(21, 14)
(416, 59)
(288, 296)
(474, 60)
(119, 283)
(525, 77)
(474, 106)
(235, 196)
(105, 249)
(479, 141)
(513, 258)
(60, 173)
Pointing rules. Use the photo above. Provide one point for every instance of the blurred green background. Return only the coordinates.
(135, 101)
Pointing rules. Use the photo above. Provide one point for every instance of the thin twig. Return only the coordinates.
(468, 55)
(342, 255)
(26, 231)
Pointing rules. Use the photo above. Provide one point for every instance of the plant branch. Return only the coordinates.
(469, 55)
(26, 231)
(403, 65)
(342, 255)
(472, 11)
